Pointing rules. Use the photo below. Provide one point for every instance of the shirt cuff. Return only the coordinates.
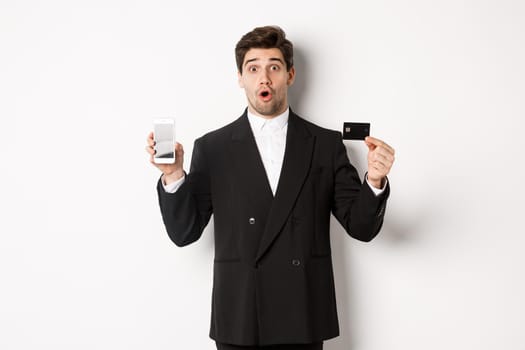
(377, 191)
(174, 186)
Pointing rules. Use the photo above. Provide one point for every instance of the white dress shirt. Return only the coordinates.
(270, 137)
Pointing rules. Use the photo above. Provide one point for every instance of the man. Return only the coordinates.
(271, 179)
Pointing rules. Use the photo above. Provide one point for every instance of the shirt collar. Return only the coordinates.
(257, 123)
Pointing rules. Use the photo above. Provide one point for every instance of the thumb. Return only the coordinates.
(371, 146)
(179, 153)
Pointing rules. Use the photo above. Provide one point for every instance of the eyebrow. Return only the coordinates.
(256, 59)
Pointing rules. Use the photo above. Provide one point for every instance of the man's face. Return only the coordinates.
(265, 81)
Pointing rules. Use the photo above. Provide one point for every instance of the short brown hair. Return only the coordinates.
(267, 37)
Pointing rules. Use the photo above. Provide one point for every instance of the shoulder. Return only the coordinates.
(316, 130)
(217, 138)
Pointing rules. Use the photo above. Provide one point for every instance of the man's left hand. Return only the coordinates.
(380, 160)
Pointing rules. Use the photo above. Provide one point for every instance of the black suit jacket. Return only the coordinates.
(272, 276)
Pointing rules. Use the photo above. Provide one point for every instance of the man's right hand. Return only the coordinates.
(172, 172)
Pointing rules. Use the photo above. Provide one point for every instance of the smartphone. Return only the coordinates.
(164, 136)
(356, 131)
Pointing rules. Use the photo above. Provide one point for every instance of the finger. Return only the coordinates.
(378, 171)
(150, 150)
(389, 148)
(381, 167)
(381, 151)
(179, 151)
(369, 140)
(386, 167)
(384, 152)
(375, 173)
(378, 157)
(150, 140)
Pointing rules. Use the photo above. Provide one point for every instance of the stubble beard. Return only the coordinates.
(271, 109)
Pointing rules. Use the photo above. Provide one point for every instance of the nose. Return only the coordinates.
(264, 79)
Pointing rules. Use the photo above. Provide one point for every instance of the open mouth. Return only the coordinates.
(265, 95)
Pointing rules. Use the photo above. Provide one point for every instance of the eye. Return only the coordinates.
(275, 67)
(252, 69)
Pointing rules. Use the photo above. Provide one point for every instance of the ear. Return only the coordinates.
(291, 76)
(239, 79)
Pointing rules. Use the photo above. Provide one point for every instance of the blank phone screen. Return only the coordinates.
(164, 140)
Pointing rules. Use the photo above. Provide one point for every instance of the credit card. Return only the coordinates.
(355, 131)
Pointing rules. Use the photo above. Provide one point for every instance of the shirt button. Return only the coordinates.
(296, 262)
(251, 221)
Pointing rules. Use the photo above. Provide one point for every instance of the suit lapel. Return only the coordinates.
(296, 163)
(247, 161)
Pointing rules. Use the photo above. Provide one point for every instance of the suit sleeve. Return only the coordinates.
(187, 212)
(355, 205)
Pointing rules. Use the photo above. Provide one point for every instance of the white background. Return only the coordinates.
(85, 262)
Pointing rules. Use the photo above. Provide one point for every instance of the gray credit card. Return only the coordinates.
(355, 131)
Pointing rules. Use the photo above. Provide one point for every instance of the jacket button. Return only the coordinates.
(251, 221)
(296, 262)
